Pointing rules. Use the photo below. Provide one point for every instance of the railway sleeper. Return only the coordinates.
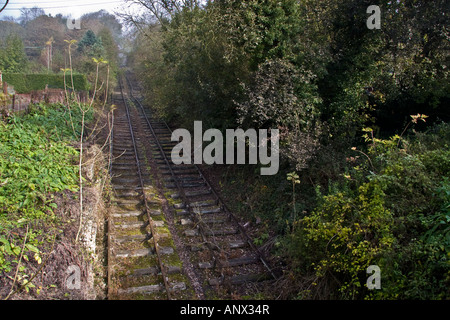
(125, 168)
(156, 270)
(136, 213)
(147, 188)
(138, 225)
(188, 171)
(183, 178)
(198, 209)
(133, 206)
(117, 180)
(127, 194)
(207, 220)
(185, 185)
(152, 289)
(127, 214)
(194, 193)
(123, 154)
(120, 162)
(221, 232)
(204, 203)
(130, 181)
(228, 263)
(238, 244)
(136, 201)
(126, 150)
(206, 210)
(241, 279)
(177, 168)
(129, 239)
(132, 238)
(143, 252)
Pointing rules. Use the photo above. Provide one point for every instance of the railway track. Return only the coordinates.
(142, 262)
(171, 236)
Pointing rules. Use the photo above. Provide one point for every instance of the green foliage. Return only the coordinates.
(111, 49)
(8, 248)
(390, 208)
(37, 29)
(396, 218)
(36, 161)
(12, 55)
(196, 62)
(347, 232)
(315, 71)
(91, 45)
(312, 68)
(25, 83)
(266, 30)
(4, 99)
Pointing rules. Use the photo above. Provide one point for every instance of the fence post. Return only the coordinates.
(13, 101)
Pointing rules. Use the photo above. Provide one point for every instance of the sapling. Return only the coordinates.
(293, 176)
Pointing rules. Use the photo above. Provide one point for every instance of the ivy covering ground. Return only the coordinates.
(37, 160)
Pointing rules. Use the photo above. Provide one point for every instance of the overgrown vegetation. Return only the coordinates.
(37, 162)
(391, 210)
(361, 181)
(363, 117)
(49, 180)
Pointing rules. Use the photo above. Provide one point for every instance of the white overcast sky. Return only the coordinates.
(75, 8)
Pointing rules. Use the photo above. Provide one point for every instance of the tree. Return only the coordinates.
(29, 14)
(384, 75)
(90, 44)
(111, 49)
(37, 34)
(9, 27)
(12, 55)
(96, 21)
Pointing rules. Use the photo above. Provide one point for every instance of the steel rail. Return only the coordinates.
(108, 224)
(154, 235)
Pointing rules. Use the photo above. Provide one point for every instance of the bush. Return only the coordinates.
(25, 83)
(344, 235)
(391, 211)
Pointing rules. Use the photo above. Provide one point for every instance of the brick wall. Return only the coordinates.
(23, 100)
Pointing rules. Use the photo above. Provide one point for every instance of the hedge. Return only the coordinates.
(25, 83)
